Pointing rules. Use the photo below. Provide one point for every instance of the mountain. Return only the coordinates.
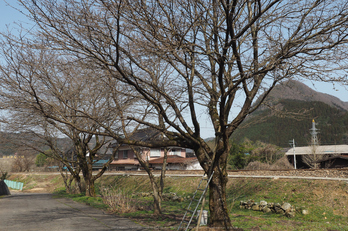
(287, 114)
(295, 90)
(10, 143)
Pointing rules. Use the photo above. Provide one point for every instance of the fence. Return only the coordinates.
(14, 184)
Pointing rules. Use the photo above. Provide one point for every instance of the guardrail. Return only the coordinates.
(14, 184)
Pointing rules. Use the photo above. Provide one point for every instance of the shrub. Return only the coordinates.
(282, 163)
(257, 165)
(4, 175)
(117, 200)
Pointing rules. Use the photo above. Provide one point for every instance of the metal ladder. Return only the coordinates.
(193, 212)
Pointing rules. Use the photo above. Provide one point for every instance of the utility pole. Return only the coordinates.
(314, 134)
(292, 144)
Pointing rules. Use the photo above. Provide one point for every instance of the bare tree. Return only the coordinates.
(215, 57)
(157, 187)
(48, 98)
(312, 159)
(23, 161)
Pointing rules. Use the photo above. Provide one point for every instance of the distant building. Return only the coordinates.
(330, 156)
(126, 159)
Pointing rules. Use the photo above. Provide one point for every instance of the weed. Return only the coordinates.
(117, 200)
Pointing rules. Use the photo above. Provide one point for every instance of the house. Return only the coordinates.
(126, 159)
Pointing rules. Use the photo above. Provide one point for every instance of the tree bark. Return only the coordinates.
(219, 216)
(88, 177)
(157, 199)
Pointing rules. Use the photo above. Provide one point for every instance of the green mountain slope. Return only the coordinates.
(293, 121)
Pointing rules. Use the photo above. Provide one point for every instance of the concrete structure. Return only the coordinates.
(326, 151)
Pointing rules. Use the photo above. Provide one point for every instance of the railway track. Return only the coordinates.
(320, 174)
(324, 174)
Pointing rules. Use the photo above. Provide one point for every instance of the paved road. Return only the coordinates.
(33, 212)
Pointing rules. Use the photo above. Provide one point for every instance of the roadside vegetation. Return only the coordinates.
(130, 196)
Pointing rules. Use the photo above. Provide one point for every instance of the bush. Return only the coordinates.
(4, 175)
(257, 165)
(117, 200)
(282, 163)
(40, 160)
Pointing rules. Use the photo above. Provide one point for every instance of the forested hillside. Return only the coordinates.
(10, 143)
(292, 119)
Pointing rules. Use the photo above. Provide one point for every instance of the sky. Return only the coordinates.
(9, 17)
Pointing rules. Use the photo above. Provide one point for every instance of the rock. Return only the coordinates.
(290, 214)
(263, 203)
(278, 208)
(305, 212)
(4, 189)
(268, 207)
(255, 207)
(178, 199)
(286, 207)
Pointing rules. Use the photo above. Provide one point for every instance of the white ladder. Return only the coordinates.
(193, 212)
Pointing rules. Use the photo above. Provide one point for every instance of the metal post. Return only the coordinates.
(293, 146)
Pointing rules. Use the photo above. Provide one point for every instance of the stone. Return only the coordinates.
(290, 214)
(255, 207)
(279, 210)
(263, 203)
(4, 189)
(286, 207)
(305, 212)
(266, 210)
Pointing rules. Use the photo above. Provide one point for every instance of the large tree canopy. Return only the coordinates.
(177, 57)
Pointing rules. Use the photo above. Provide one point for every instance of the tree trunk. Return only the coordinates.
(163, 171)
(219, 216)
(157, 196)
(157, 199)
(78, 187)
(90, 188)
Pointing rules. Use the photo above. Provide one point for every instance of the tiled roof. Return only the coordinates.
(173, 160)
(124, 161)
(146, 135)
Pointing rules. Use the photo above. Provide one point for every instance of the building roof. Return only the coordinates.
(145, 135)
(125, 161)
(173, 160)
(320, 150)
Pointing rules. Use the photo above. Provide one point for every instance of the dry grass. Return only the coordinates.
(117, 200)
(280, 164)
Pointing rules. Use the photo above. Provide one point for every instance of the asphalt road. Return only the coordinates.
(32, 211)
